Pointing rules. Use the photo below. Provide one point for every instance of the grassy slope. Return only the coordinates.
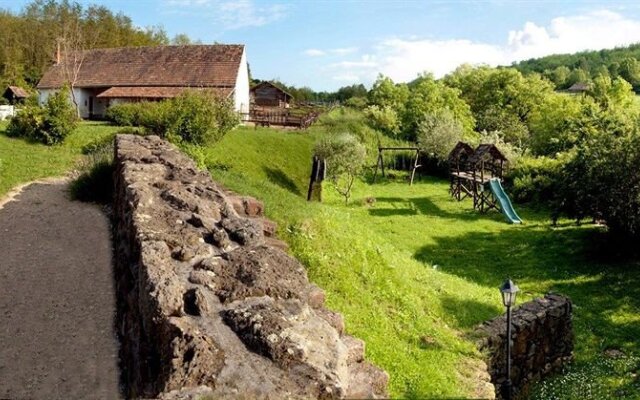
(22, 161)
(415, 272)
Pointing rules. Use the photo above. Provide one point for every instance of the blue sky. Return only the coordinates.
(326, 44)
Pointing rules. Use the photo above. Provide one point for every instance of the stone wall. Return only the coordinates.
(208, 301)
(542, 341)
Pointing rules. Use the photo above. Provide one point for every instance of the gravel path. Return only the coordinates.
(57, 300)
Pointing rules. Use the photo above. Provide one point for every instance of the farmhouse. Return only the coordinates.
(109, 76)
(15, 94)
(266, 94)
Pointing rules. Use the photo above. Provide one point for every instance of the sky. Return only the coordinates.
(326, 44)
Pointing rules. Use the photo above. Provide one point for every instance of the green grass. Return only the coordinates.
(415, 272)
(22, 161)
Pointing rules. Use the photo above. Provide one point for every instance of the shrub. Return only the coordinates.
(95, 182)
(199, 118)
(384, 119)
(125, 114)
(537, 179)
(438, 134)
(49, 125)
(60, 118)
(26, 122)
(345, 157)
(356, 102)
(193, 117)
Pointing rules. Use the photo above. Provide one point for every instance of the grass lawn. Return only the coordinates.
(416, 271)
(22, 161)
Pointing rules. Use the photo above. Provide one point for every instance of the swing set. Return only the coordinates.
(380, 162)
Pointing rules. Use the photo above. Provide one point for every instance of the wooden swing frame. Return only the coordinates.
(380, 161)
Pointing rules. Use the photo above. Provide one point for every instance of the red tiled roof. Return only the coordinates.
(156, 92)
(192, 65)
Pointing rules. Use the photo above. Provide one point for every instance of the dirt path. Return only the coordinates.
(57, 301)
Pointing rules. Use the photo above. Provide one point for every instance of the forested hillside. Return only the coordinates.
(29, 39)
(566, 69)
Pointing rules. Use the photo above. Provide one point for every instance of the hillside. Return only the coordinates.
(414, 271)
(566, 69)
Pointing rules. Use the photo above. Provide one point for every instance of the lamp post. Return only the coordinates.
(508, 290)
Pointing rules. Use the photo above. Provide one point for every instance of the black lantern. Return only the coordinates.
(508, 290)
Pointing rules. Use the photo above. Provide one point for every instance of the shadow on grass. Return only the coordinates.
(468, 313)
(606, 295)
(390, 206)
(281, 179)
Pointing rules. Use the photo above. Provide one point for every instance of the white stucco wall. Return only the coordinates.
(241, 93)
(82, 97)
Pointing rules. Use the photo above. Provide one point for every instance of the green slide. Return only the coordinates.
(505, 204)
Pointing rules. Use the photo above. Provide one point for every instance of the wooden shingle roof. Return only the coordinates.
(185, 66)
(460, 151)
(271, 84)
(486, 152)
(19, 92)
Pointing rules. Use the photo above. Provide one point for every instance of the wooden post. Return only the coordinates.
(415, 165)
(318, 170)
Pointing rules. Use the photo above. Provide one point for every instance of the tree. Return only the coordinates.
(560, 76)
(551, 127)
(429, 96)
(438, 133)
(181, 39)
(345, 157)
(578, 75)
(385, 93)
(630, 71)
(384, 119)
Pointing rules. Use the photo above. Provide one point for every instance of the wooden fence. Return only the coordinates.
(296, 118)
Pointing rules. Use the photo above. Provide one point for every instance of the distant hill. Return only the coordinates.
(566, 69)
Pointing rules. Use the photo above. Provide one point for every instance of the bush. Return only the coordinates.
(537, 179)
(48, 125)
(26, 122)
(125, 114)
(345, 157)
(356, 102)
(193, 117)
(60, 118)
(384, 119)
(199, 118)
(95, 182)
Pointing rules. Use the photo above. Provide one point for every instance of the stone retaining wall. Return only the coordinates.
(542, 341)
(208, 301)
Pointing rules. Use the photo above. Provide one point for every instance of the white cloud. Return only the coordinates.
(231, 14)
(314, 53)
(341, 51)
(403, 58)
(348, 77)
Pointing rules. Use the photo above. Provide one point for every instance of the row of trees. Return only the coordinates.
(566, 69)
(29, 39)
(576, 154)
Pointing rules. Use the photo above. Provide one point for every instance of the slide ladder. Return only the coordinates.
(505, 204)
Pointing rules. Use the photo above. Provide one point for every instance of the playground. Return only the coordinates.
(413, 269)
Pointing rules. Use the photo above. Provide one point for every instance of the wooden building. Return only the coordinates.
(15, 94)
(579, 87)
(266, 94)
